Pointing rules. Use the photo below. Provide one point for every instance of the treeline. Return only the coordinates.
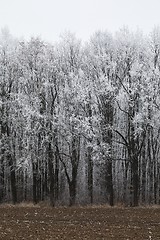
(80, 123)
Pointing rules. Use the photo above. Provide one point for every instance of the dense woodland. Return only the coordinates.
(80, 122)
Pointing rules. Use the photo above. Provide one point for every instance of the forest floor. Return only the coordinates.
(94, 223)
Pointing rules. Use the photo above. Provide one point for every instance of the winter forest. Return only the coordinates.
(80, 122)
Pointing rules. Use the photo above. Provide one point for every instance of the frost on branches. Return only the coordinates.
(79, 123)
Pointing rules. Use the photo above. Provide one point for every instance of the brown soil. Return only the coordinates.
(93, 223)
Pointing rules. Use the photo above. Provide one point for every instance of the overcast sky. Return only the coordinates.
(50, 18)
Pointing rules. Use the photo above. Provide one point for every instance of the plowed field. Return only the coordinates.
(37, 223)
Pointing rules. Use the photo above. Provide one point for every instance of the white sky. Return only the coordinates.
(50, 18)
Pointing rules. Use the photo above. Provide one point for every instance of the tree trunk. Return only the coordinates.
(90, 175)
(72, 193)
(56, 173)
(13, 180)
(51, 175)
(135, 181)
(34, 169)
(110, 182)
